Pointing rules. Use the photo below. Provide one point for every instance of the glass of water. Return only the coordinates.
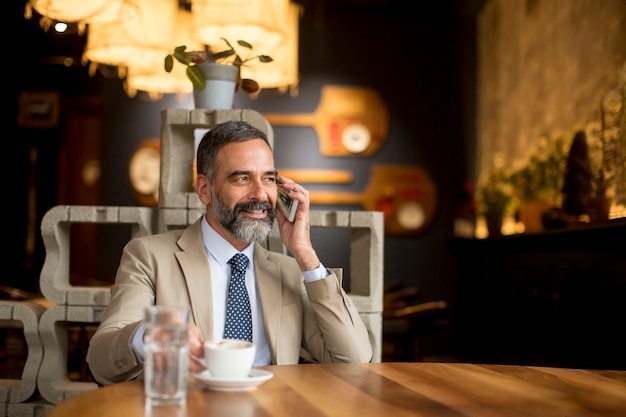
(166, 354)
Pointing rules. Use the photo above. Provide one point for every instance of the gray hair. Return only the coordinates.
(219, 136)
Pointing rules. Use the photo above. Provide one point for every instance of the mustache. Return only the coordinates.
(253, 205)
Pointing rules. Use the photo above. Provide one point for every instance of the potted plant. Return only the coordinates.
(495, 200)
(537, 184)
(194, 61)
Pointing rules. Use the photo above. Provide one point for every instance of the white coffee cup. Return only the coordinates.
(229, 358)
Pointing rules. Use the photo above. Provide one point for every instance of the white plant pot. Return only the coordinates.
(219, 92)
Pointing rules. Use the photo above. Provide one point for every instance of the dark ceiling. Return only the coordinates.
(47, 49)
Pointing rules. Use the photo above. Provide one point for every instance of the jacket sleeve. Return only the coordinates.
(333, 328)
(110, 355)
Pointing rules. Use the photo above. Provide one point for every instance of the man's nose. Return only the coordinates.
(258, 190)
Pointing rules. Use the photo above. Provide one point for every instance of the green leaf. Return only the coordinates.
(224, 54)
(244, 44)
(169, 63)
(182, 56)
(195, 75)
(265, 58)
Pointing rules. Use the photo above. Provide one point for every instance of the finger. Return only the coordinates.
(196, 343)
(285, 180)
(196, 364)
(288, 184)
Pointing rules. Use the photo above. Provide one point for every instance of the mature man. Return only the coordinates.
(299, 311)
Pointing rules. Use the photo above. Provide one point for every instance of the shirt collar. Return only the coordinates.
(219, 248)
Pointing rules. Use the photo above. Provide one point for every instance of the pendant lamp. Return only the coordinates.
(86, 11)
(259, 22)
(282, 72)
(151, 77)
(139, 41)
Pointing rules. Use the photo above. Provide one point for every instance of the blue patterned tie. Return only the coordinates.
(238, 315)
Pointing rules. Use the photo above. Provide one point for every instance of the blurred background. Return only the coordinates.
(476, 95)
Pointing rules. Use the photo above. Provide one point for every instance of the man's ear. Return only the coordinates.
(203, 189)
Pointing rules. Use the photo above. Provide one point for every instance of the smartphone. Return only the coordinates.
(285, 204)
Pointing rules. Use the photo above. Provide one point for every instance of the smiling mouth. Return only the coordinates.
(255, 209)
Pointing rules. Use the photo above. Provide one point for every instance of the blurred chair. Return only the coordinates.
(406, 321)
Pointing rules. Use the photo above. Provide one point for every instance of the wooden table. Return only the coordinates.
(382, 389)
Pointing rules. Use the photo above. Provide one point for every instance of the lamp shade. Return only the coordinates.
(259, 22)
(139, 41)
(151, 76)
(282, 72)
(88, 11)
(156, 80)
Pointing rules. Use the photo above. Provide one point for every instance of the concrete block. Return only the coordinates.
(28, 409)
(84, 314)
(54, 280)
(206, 119)
(325, 218)
(172, 218)
(28, 314)
(194, 203)
(195, 214)
(93, 214)
(141, 218)
(55, 232)
(366, 253)
(174, 199)
(52, 381)
(92, 296)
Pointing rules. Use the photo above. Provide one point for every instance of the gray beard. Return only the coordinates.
(241, 227)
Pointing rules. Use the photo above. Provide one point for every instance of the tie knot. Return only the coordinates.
(239, 262)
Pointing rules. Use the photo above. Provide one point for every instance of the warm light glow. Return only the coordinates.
(136, 35)
(260, 22)
(151, 76)
(156, 80)
(60, 27)
(140, 41)
(481, 231)
(87, 11)
(282, 73)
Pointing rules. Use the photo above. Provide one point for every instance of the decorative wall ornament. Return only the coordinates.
(349, 121)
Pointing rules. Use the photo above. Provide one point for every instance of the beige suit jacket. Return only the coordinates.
(314, 321)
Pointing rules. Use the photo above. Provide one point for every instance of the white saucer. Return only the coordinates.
(255, 378)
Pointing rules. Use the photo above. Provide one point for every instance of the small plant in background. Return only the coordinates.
(495, 200)
(540, 179)
(495, 196)
(226, 57)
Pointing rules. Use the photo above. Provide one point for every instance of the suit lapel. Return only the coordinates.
(269, 288)
(194, 263)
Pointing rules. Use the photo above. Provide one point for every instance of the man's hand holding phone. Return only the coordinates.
(284, 203)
